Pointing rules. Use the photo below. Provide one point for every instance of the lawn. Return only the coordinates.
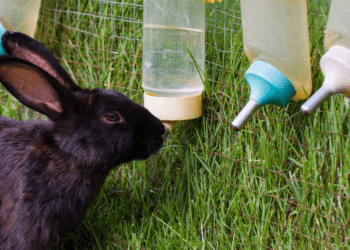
(280, 183)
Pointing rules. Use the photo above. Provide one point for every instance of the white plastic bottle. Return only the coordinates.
(335, 63)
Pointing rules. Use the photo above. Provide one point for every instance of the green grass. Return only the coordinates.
(280, 183)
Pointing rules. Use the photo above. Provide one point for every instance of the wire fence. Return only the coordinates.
(108, 33)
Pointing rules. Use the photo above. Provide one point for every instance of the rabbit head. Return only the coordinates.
(102, 124)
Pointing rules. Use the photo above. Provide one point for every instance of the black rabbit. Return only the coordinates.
(50, 171)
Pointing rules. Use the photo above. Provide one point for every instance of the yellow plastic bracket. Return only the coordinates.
(174, 108)
(212, 1)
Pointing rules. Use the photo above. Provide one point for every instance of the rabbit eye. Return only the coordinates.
(112, 117)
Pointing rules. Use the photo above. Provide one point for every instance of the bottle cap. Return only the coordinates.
(268, 86)
(335, 66)
(2, 31)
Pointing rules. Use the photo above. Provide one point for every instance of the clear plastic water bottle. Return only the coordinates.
(4, 26)
(22, 15)
(173, 33)
(169, 28)
(276, 42)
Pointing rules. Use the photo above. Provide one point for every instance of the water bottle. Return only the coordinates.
(276, 42)
(21, 15)
(335, 63)
(173, 35)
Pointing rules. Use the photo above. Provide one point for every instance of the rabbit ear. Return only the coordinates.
(22, 46)
(33, 86)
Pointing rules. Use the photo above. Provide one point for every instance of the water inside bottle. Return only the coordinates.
(168, 68)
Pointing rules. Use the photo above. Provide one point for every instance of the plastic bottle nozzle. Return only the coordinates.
(268, 86)
(244, 116)
(169, 126)
(315, 101)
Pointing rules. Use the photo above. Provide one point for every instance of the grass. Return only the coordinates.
(280, 183)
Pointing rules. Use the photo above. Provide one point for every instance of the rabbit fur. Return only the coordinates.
(50, 171)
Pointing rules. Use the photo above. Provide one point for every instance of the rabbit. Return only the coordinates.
(50, 171)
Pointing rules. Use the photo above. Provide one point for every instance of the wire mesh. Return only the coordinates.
(100, 44)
